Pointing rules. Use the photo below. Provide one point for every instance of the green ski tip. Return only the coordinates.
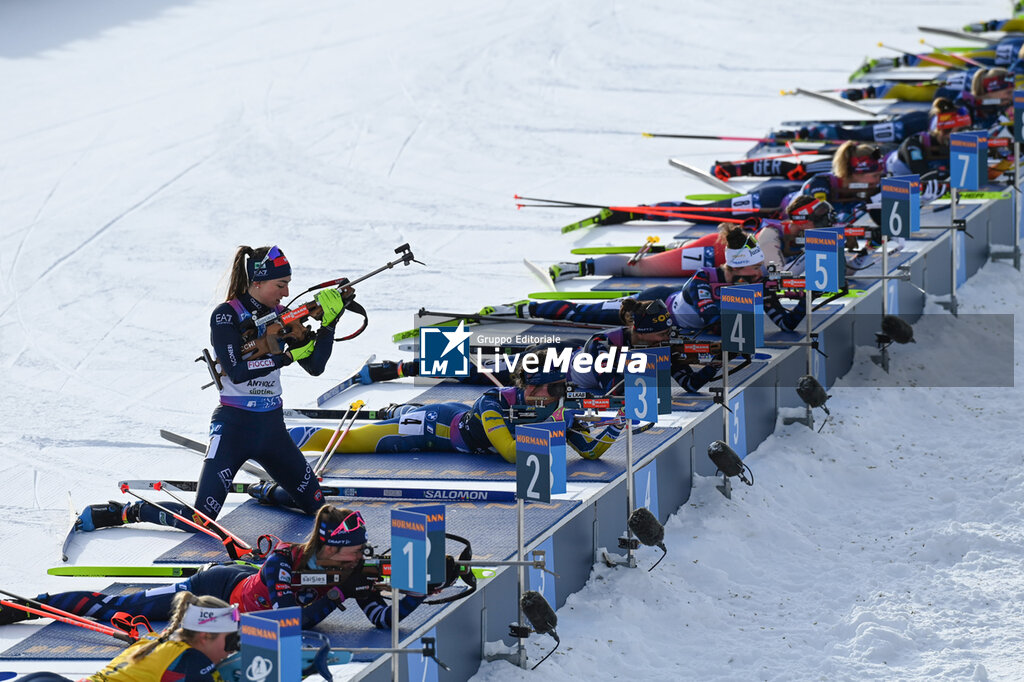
(711, 197)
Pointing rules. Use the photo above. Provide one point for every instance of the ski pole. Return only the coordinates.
(972, 62)
(556, 202)
(501, 318)
(188, 522)
(321, 464)
(47, 611)
(344, 417)
(165, 486)
(924, 58)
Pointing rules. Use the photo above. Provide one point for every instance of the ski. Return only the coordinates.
(540, 274)
(415, 331)
(126, 571)
(344, 385)
(200, 449)
(703, 176)
(958, 34)
(844, 103)
(73, 525)
(603, 250)
(587, 222)
(183, 441)
(357, 491)
(712, 197)
(298, 577)
(576, 296)
(325, 413)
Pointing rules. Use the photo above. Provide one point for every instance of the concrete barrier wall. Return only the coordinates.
(665, 476)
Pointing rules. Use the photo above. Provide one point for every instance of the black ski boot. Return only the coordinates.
(10, 615)
(107, 515)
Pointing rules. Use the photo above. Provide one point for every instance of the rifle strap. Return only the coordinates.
(359, 310)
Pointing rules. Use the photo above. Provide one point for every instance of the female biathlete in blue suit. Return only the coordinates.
(248, 423)
(336, 544)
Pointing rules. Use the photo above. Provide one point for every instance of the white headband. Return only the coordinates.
(210, 618)
(742, 257)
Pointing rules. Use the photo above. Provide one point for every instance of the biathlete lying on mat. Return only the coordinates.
(481, 428)
(335, 543)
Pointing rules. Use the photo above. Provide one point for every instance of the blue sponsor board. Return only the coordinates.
(968, 160)
(409, 551)
(742, 309)
(901, 206)
(271, 643)
(823, 250)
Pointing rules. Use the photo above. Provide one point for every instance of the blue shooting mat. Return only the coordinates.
(875, 269)
(637, 283)
(490, 526)
(818, 317)
(60, 641)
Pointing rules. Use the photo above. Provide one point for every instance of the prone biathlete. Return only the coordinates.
(249, 422)
(481, 428)
(694, 304)
(336, 543)
(201, 633)
(776, 236)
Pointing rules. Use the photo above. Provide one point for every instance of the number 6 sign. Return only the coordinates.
(901, 206)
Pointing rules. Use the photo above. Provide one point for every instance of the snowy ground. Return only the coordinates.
(140, 143)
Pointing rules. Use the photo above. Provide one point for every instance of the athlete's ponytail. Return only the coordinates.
(179, 605)
(238, 282)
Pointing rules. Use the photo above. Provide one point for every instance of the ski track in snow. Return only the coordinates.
(886, 547)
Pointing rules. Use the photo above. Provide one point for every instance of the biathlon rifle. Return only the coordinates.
(289, 325)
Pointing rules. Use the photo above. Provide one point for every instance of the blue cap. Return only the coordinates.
(273, 266)
(350, 532)
(653, 317)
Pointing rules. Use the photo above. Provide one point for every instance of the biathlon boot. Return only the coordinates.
(517, 309)
(107, 515)
(9, 615)
(560, 272)
(263, 492)
(386, 370)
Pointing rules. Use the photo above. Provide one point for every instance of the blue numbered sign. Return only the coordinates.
(435, 514)
(742, 309)
(642, 393)
(901, 206)
(822, 254)
(968, 160)
(409, 551)
(533, 463)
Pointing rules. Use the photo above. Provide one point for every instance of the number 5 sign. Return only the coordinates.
(968, 160)
(823, 249)
(901, 206)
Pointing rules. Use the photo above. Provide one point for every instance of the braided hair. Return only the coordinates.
(179, 605)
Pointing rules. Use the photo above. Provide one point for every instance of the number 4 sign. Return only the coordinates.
(901, 206)
(742, 309)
